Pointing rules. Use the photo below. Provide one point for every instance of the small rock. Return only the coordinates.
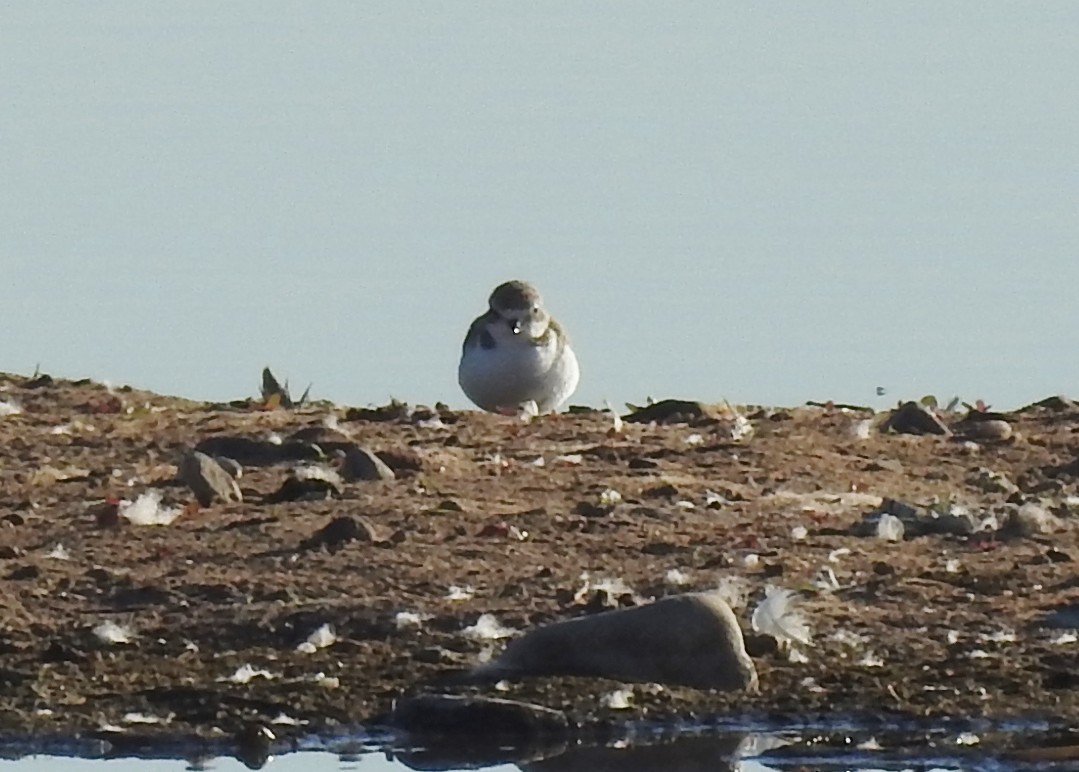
(107, 514)
(303, 489)
(320, 435)
(991, 482)
(402, 460)
(207, 479)
(363, 464)
(22, 573)
(395, 411)
(670, 411)
(342, 530)
(435, 655)
(992, 429)
(591, 509)
(914, 418)
(1030, 519)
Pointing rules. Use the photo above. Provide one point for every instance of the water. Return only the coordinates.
(966, 745)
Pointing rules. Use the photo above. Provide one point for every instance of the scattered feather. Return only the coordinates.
(323, 636)
(142, 718)
(799, 532)
(952, 566)
(487, 628)
(861, 429)
(796, 656)
(694, 440)
(777, 615)
(810, 685)
(405, 619)
(1065, 638)
(826, 580)
(112, 633)
(967, 738)
(676, 578)
(147, 510)
(741, 428)
(433, 421)
(245, 674)
(460, 593)
(615, 418)
(683, 504)
(325, 681)
(59, 552)
(713, 499)
(869, 659)
(283, 719)
(752, 560)
(9, 407)
(570, 458)
(609, 497)
(836, 554)
(889, 527)
(619, 699)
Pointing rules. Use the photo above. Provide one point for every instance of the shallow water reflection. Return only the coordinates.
(993, 749)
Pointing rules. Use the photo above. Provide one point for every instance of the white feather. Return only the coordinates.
(778, 617)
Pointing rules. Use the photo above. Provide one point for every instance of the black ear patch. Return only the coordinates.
(487, 340)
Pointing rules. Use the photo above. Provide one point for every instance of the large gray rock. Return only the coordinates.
(208, 479)
(690, 640)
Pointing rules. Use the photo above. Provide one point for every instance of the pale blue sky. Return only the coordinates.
(768, 202)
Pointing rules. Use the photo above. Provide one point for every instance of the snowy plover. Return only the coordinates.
(516, 353)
